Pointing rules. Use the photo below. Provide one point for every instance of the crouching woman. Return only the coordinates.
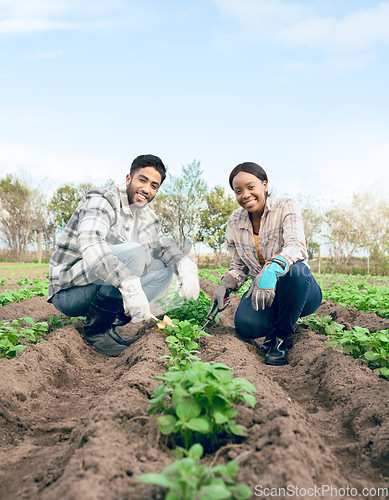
(266, 241)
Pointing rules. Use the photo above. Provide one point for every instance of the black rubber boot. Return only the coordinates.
(121, 318)
(98, 329)
(278, 354)
(267, 344)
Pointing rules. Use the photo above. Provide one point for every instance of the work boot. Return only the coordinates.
(278, 354)
(267, 343)
(121, 318)
(98, 329)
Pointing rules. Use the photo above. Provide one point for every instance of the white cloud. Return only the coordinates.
(43, 55)
(361, 29)
(298, 24)
(261, 14)
(27, 16)
(333, 66)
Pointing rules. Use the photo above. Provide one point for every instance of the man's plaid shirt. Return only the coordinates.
(281, 233)
(104, 218)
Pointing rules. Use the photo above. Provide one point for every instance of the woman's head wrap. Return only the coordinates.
(249, 167)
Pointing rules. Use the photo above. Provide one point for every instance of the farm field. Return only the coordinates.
(75, 424)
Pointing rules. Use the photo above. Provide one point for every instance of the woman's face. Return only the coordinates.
(250, 191)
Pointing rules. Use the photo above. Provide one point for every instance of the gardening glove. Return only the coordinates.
(221, 293)
(188, 279)
(135, 302)
(263, 288)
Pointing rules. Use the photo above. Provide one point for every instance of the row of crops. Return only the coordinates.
(16, 334)
(196, 406)
(363, 293)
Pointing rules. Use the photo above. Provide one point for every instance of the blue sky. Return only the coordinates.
(300, 87)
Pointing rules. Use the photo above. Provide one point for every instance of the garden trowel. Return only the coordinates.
(212, 315)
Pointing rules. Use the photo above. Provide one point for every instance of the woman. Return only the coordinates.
(266, 241)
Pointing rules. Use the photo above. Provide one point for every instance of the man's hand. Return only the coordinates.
(188, 279)
(263, 288)
(222, 291)
(135, 302)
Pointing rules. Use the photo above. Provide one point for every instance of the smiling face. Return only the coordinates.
(142, 186)
(250, 192)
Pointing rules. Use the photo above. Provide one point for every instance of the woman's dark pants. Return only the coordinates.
(297, 295)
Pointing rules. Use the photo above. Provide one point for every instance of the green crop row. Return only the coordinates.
(359, 343)
(16, 333)
(35, 287)
(13, 333)
(364, 293)
(196, 404)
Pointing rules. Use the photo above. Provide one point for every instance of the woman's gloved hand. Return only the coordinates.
(222, 291)
(263, 288)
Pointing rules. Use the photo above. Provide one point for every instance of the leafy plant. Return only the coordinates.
(39, 288)
(198, 403)
(181, 343)
(62, 320)
(12, 333)
(23, 280)
(188, 479)
(195, 310)
(359, 343)
(3, 281)
(355, 291)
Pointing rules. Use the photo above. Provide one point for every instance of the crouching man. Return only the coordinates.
(111, 260)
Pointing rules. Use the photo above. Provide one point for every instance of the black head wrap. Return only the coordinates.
(249, 167)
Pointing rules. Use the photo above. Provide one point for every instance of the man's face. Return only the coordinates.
(142, 186)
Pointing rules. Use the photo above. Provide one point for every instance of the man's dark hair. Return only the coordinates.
(143, 161)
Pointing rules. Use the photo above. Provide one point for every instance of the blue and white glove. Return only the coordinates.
(263, 288)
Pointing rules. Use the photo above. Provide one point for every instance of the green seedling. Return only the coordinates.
(196, 310)
(188, 479)
(356, 292)
(181, 341)
(198, 403)
(12, 333)
(62, 320)
(359, 343)
(37, 288)
(23, 280)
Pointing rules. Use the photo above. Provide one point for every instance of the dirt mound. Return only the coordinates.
(74, 423)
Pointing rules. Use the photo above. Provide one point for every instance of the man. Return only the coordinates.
(111, 260)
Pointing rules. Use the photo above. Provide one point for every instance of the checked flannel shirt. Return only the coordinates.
(104, 218)
(281, 233)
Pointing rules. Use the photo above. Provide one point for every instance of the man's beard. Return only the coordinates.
(131, 196)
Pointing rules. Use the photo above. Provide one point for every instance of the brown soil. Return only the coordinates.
(74, 423)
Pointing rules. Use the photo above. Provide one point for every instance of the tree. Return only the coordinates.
(20, 205)
(179, 205)
(313, 222)
(362, 225)
(65, 200)
(214, 217)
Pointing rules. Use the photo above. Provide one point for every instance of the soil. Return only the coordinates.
(74, 423)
